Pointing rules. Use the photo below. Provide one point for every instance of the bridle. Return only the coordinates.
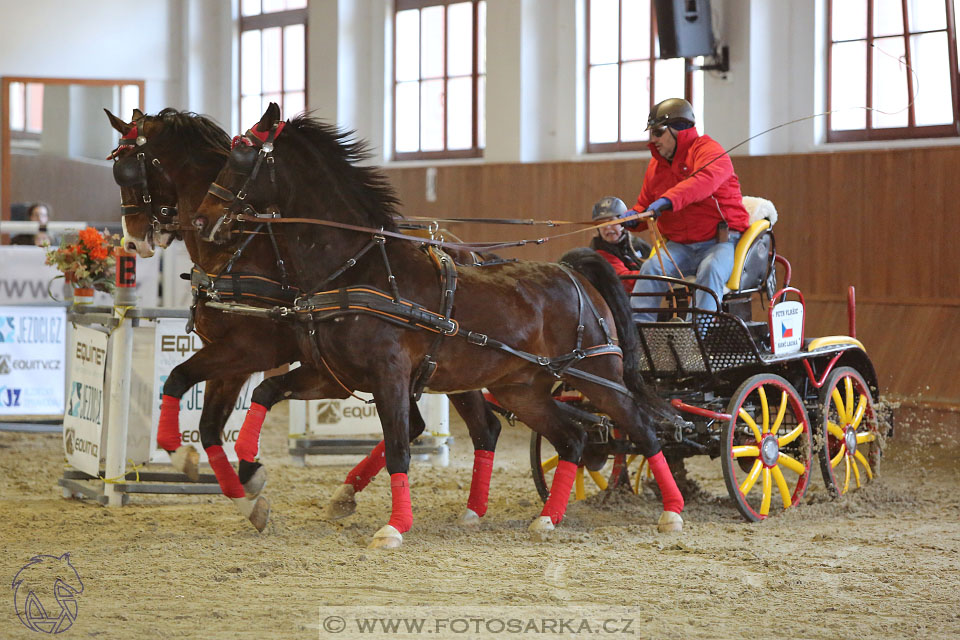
(235, 204)
(130, 171)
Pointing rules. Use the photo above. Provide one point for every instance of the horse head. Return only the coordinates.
(157, 160)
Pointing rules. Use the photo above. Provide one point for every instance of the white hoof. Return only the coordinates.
(541, 528)
(257, 511)
(186, 460)
(256, 483)
(470, 518)
(387, 538)
(342, 504)
(670, 522)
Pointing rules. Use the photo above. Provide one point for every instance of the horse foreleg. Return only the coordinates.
(484, 428)
(221, 396)
(184, 458)
(393, 405)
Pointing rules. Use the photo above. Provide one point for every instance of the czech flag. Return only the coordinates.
(785, 332)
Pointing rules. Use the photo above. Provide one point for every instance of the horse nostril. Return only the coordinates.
(131, 245)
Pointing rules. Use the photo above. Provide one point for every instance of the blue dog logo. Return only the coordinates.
(45, 593)
(7, 329)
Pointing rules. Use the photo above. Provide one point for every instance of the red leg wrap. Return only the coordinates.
(402, 516)
(361, 475)
(563, 479)
(672, 499)
(168, 427)
(226, 476)
(248, 442)
(480, 484)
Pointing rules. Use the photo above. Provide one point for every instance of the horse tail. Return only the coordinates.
(601, 275)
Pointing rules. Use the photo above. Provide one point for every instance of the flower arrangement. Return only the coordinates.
(87, 261)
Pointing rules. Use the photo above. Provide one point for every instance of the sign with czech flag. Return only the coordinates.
(786, 327)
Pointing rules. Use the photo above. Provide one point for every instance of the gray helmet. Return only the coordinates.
(609, 207)
(670, 112)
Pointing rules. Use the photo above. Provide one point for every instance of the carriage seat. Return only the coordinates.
(753, 258)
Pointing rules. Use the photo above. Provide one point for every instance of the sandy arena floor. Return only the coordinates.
(882, 564)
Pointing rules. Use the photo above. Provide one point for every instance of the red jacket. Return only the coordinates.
(699, 202)
(620, 268)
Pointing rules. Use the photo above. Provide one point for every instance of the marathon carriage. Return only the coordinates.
(771, 403)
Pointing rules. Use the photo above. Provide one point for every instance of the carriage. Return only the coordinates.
(770, 402)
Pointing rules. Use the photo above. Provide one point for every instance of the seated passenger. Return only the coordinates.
(623, 252)
(693, 191)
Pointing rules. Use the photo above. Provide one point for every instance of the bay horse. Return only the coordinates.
(182, 153)
(368, 302)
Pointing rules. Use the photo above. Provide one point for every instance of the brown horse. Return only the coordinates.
(181, 154)
(515, 328)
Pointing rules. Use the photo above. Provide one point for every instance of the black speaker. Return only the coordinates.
(685, 28)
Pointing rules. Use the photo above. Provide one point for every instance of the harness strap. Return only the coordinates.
(448, 285)
(241, 286)
(585, 300)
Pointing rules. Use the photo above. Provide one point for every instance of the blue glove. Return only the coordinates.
(630, 224)
(659, 206)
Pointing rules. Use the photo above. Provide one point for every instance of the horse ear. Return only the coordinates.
(270, 117)
(118, 124)
(137, 114)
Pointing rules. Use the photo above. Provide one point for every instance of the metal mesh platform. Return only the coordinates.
(707, 344)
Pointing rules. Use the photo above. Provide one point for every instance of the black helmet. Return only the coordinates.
(670, 112)
(609, 207)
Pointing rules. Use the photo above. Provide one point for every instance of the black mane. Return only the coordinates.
(360, 191)
(199, 135)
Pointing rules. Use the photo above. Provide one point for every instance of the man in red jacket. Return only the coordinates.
(691, 187)
(614, 244)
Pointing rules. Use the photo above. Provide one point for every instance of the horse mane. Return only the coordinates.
(200, 137)
(362, 192)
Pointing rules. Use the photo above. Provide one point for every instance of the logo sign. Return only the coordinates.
(126, 269)
(46, 591)
(173, 346)
(86, 411)
(787, 327)
(32, 360)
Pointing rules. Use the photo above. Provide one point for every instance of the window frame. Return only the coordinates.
(633, 145)
(912, 130)
(475, 150)
(262, 21)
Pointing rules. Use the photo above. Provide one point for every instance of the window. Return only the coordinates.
(273, 57)
(26, 109)
(439, 78)
(892, 69)
(625, 77)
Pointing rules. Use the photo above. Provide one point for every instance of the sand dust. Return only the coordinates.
(883, 563)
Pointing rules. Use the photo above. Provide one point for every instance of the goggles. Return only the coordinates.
(657, 131)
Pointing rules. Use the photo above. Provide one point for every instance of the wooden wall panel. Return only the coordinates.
(885, 221)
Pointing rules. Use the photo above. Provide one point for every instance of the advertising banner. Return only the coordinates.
(171, 347)
(32, 345)
(86, 411)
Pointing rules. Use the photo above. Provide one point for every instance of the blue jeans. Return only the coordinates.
(712, 261)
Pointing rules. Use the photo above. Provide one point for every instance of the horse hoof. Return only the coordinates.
(670, 522)
(387, 538)
(470, 518)
(541, 528)
(255, 484)
(186, 460)
(342, 504)
(257, 511)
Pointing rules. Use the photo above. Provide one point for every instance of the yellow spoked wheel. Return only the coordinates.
(599, 475)
(766, 447)
(850, 451)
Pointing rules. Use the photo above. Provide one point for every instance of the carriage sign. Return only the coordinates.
(173, 345)
(86, 411)
(786, 327)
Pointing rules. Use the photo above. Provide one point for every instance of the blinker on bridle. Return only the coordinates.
(235, 203)
(131, 171)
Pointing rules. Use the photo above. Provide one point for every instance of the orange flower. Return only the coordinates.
(99, 253)
(90, 238)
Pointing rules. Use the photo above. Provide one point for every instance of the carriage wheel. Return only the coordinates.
(769, 429)
(850, 454)
(544, 459)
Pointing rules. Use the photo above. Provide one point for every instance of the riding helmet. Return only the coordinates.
(609, 207)
(672, 112)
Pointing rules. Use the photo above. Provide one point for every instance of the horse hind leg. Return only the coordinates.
(537, 409)
(630, 415)
(484, 428)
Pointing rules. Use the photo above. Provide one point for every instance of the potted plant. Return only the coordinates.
(86, 262)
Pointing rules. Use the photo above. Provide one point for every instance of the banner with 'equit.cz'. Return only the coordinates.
(86, 411)
(32, 360)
